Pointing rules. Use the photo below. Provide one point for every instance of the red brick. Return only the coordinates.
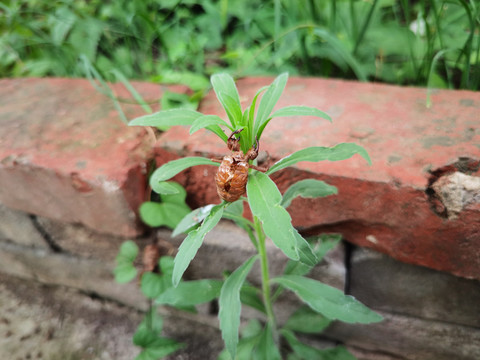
(389, 206)
(65, 154)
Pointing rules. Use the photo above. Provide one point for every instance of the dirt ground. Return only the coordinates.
(57, 323)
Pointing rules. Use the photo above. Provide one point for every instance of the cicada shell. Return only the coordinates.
(232, 176)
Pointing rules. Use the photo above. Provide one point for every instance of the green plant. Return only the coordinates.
(270, 219)
(428, 43)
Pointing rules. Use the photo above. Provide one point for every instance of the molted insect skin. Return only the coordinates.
(232, 176)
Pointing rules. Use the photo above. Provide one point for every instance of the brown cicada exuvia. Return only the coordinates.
(232, 175)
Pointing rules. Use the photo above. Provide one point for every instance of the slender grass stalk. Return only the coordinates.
(267, 298)
(365, 25)
(467, 48)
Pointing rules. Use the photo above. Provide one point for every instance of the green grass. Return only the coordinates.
(174, 41)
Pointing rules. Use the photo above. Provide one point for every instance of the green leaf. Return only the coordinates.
(217, 130)
(307, 321)
(207, 120)
(158, 349)
(178, 197)
(189, 247)
(233, 110)
(342, 50)
(125, 271)
(171, 117)
(319, 153)
(167, 187)
(305, 252)
(266, 348)
(128, 251)
(152, 285)
(226, 91)
(301, 111)
(268, 101)
(251, 296)
(149, 329)
(327, 300)
(264, 199)
(230, 305)
(162, 214)
(189, 293)
(325, 243)
(193, 218)
(308, 188)
(138, 98)
(166, 265)
(307, 352)
(172, 168)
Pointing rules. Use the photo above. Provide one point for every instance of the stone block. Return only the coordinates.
(88, 275)
(17, 226)
(391, 206)
(389, 285)
(78, 240)
(411, 338)
(65, 153)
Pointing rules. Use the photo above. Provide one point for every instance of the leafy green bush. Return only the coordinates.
(430, 43)
(271, 219)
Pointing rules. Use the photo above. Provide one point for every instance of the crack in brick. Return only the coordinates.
(45, 235)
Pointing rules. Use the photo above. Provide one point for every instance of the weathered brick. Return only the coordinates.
(17, 226)
(404, 337)
(390, 206)
(65, 154)
(88, 275)
(389, 285)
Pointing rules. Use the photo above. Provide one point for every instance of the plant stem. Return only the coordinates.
(267, 298)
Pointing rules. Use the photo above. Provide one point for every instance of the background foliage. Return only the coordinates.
(428, 43)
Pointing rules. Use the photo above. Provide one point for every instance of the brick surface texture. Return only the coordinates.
(392, 206)
(72, 177)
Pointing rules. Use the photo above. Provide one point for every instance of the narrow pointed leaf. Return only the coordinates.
(230, 305)
(319, 153)
(325, 243)
(217, 130)
(174, 167)
(305, 252)
(171, 117)
(232, 108)
(167, 188)
(206, 121)
(308, 188)
(327, 300)
(191, 219)
(301, 111)
(264, 199)
(307, 321)
(269, 99)
(224, 84)
(190, 293)
(189, 247)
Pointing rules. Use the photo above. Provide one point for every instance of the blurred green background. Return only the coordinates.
(424, 43)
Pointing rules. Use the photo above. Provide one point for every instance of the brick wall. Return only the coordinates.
(72, 177)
